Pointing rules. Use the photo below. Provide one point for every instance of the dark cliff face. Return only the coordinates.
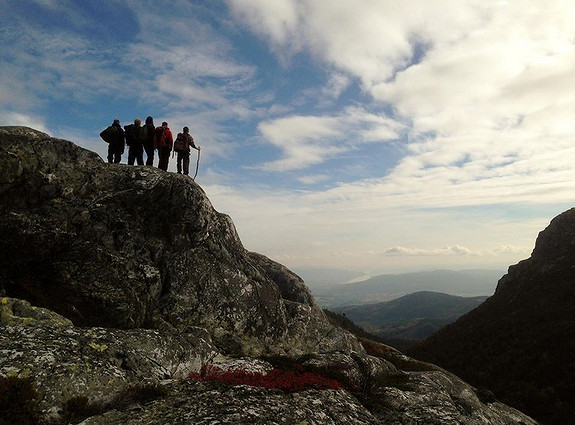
(129, 247)
(551, 264)
(520, 342)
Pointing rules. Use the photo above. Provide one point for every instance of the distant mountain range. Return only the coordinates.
(411, 317)
(317, 277)
(387, 287)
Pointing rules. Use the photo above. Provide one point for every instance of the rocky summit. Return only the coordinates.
(127, 299)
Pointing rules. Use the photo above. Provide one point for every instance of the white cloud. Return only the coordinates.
(448, 250)
(503, 249)
(452, 250)
(309, 140)
(336, 85)
(277, 21)
(19, 119)
(367, 38)
(189, 57)
(313, 179)
(482, 83)
(46, 66)
(304, 141)
(367, 232)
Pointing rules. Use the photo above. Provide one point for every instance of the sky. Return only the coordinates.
(370, 135)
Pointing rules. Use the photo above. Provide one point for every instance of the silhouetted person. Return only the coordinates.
(163, 141)
(136, 135)
(149, 143)
(182, 147)
(116, 142)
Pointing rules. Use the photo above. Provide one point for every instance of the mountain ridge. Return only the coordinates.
(474, 282)
(530, 317)
(412, 317)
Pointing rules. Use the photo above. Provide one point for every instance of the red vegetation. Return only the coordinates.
(293, 380)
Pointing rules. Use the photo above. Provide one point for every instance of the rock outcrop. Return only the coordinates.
(520, 342)
(115, 275)
(68, 361)
(131, 247)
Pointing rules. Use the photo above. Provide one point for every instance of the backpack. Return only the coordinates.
(150, 133)
(182, 143)
(160, 138)
(142, 136)
(130, 131)
(109, 134)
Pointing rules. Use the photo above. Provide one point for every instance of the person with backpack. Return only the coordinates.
(149, 143)
(114, 137)
(163, 141)
(136, 135)
(184, 141)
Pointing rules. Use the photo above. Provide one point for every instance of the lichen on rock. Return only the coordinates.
(20, 312)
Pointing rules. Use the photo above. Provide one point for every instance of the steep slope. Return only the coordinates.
(414, 316)
(118, 282)
(520, 342)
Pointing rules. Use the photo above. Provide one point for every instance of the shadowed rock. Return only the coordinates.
(520, 342)
(129, 247)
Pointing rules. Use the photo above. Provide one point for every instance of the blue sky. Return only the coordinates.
(373, 135)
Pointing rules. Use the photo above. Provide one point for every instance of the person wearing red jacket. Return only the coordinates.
(163, 142)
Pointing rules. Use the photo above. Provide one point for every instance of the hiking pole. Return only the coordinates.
(197, 166)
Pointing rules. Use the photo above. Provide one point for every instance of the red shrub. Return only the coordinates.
(293, 380)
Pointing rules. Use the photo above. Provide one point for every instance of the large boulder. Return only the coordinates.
(130, 247)
(66, 361)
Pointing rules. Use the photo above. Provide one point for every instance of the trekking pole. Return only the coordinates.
(197, 166)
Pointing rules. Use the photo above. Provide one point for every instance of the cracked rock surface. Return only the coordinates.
(131, 247)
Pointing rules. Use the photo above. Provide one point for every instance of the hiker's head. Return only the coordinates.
(186, 130)
(137, 122)
(164, 124)
(117, 121)
(149, 120)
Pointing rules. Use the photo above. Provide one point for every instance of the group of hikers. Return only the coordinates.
(148, 138)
